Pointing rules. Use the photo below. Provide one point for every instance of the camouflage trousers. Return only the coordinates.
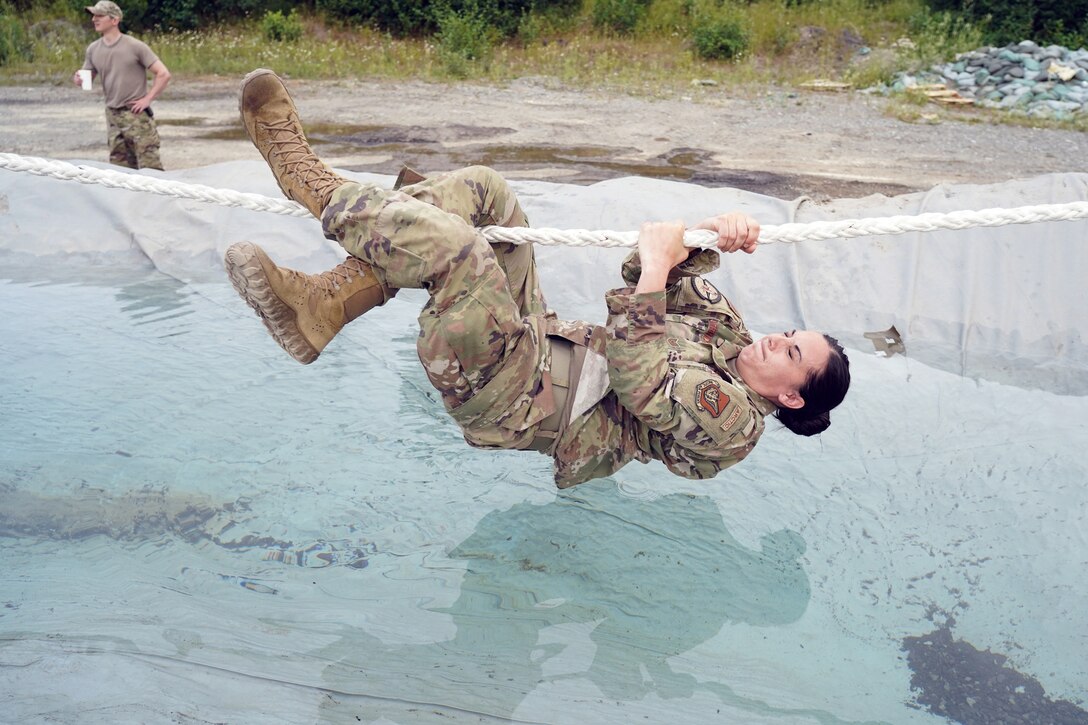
(482, 332)
(133, 139)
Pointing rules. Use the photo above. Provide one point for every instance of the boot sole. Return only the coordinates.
(251, 283)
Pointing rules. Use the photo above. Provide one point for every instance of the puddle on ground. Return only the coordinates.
(187, 121)
(454, 145)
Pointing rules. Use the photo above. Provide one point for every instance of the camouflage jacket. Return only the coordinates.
(673, 391)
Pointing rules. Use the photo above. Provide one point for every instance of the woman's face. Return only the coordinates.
(777, 366)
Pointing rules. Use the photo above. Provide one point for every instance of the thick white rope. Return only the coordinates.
(138, 182)
(770, 234)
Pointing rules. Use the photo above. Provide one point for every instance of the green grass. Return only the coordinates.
(789, 43)
(658, 56)
(914, 107)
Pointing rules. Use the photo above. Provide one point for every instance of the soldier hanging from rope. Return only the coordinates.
(674, 375)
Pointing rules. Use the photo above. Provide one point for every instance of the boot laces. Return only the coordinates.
(296, 155)
(330, 282)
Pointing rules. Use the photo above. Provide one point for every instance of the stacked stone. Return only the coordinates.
(1050, 81)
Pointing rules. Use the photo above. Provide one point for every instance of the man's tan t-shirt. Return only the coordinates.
(122, 68)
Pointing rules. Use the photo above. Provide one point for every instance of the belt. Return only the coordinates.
(567, 359)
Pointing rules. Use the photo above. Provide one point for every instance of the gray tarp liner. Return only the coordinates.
(947, 499)
(1004, 302)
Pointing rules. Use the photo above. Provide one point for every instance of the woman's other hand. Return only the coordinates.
(736, 231)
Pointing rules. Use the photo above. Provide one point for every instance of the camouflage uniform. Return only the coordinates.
(133, 139)
(659, 382)
(122, 67)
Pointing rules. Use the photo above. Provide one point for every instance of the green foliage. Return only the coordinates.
(346, 11)
(939, 36)
(530, 28)
(1072, 38)
(25, 40)
(780, 38)
(401, 17)
(55, 34)
(137, 17)
(618, 16)
(144, 15)
(550, 19)
(721, 34)
(667, 17)
(869, 74)
(420, 17)
(279, 27)
(1064, 22)
(14, 42)
(465, 39)
(508, 15)
(1010, 21)
(772, 41)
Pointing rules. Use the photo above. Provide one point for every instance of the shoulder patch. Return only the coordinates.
(709, 397)
(721, 411)
(705, 290)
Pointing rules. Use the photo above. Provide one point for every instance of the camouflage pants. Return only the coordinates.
(133, 139)
(482, 332)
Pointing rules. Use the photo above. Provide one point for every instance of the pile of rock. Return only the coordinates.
(1050, 81)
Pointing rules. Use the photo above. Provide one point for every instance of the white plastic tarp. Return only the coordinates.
(170, 478)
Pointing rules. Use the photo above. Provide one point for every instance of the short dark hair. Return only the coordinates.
(822, 391)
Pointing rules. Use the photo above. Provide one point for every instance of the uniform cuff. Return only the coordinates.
(636, 317)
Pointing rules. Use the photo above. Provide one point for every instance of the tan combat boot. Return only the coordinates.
(303, 312)
(271, 120)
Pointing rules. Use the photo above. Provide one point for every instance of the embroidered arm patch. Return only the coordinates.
(719, 409)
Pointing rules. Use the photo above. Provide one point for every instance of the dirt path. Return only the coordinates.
(783, 143)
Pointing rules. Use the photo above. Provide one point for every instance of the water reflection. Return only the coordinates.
(150, 514)
(647, 581)
(156, 299)
(145, 295)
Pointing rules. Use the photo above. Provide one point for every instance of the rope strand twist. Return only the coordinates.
(699, 239)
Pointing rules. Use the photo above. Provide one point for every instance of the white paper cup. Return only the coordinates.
(85, 78)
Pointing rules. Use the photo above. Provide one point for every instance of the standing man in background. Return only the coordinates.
(123, 63)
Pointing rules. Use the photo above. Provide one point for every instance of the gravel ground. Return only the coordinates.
(781, 143)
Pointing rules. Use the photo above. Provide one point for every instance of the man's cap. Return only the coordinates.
(105, 7)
